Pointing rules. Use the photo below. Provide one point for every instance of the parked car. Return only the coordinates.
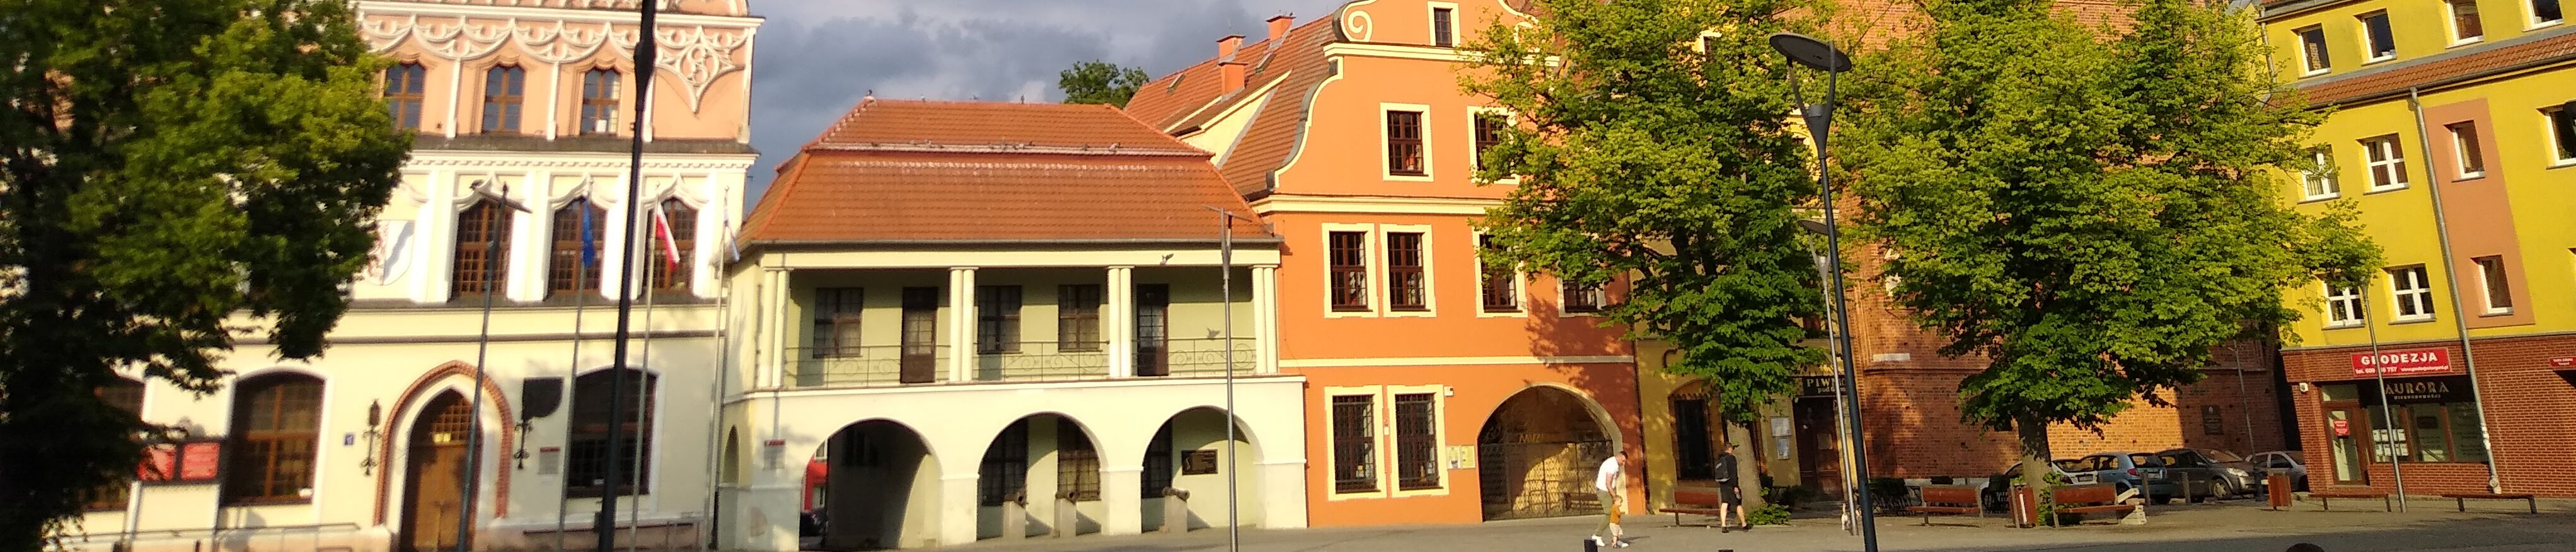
(2210, 472)
(1993, 495)
(2284, 462)
(2131, 470)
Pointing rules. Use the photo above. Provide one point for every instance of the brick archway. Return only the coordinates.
(414, 394)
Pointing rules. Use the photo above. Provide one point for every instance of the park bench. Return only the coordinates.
(1948, 499)
(2462, 499)
(2086, 499)
(1692, 500)
(2326, 497)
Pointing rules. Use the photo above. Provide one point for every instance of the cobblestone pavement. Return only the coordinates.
(2236, 526)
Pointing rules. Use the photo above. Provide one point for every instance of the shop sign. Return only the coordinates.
(2342, 427)
(2563, 362)
(2447, 389)
(1816, 386)
(2402, 363)
(191, 462)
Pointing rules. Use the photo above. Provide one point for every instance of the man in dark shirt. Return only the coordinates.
(1728, 498)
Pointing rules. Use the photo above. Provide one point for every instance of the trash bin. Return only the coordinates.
(2276, 489)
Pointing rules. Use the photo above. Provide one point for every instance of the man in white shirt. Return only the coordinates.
(1612, 484)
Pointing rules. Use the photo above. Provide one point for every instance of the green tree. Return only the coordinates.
(2089, 210)
(170, 178)
(1100, 82)
(1639, 155)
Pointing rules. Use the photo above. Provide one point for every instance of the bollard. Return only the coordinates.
(1015, 516)
(1067, 521)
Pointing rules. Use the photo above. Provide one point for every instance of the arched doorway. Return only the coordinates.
(874, 485)
(1537, 455)
(434, 474)
(1188, 454)
(1044, 469)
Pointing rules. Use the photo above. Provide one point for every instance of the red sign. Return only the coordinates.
(159, 463)
(2402, 363)
(2342, 428)
(189, 462)
(2563, 362)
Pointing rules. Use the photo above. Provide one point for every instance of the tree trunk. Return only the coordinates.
(1748, 465)
(2036, 468)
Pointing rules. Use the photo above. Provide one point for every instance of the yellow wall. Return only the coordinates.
(1654, 391)
(2420, 28)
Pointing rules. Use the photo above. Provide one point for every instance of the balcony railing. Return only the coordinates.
(1026, 361)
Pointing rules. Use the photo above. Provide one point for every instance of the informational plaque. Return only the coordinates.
(1198, 462)
(2211, 421)
(186, 463)
(160, 463)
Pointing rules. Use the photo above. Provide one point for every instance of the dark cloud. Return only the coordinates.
(814, 58)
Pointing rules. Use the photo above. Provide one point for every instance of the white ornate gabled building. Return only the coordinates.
(371, 446)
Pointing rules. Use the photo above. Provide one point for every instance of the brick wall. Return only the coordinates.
(2530, 410)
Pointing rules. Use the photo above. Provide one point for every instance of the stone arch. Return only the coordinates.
(1013, 459)
(1535, 457)
(879, 487)
(389, 428)
(1168, 463)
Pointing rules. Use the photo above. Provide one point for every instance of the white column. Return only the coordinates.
(531, 245)
(1265, 319)
(775, 298)
(1126, 514)
(957, 509)
(614, 247)
(1283, 493)
(1119, 321)
(961, 323)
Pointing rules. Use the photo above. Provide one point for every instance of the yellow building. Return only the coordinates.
(2462, 98)
(1684, 433)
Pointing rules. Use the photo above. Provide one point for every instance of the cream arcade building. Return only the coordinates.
(367, 447)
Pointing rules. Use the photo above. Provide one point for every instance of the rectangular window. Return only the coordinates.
(2465, 25)
(997, 319)
(1417, 442)
(2499, 289)
(1077, 317)
(1501, 285)
(2412, 293)
(404, 84)
(598, 102)
(1005, 469)
(504, 94)
(1350, 280)
(1077, 463)
(2387, 162)
(1404, 143)
(836, 321)
(2321, 180)
(482, 250)
(1153, 329)
(1354, 443)
(1489, 132)
(2312, 48)
(681, 221)
(2343, 306)
(1581, 298)
(576, 248)
(2427, 432)
(2377, 40)
(2464, 149)
(1406, 288)
(2544, 12)
(1443, 27)
(2562, 131)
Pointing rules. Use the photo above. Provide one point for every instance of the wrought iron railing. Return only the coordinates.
(867, 366)
(1025, 361)
(1203, 357)
(1042, 361)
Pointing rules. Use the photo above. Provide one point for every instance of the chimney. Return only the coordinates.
(1279, 27)
(1229, 70)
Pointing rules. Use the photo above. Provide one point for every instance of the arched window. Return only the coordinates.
(598, 102)
(403, 96)
(480, 266)
(504, 92)
(575, 248)
(276, 426)
(127, 395)
(669, 275)
(587, 441)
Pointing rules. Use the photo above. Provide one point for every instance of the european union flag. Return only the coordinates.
(589, 253)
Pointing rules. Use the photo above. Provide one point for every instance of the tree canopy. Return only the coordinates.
(171, 179)
(1100, 82)
(1645, 147)
(2089, 208)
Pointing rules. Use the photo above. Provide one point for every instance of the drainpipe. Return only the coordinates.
(2460, 313)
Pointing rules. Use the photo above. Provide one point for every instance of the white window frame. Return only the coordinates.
(1368, 256)
(2311, 65)
(1439, 437)
(1561, 284)
(2410, 286)
(2531, 18)
(1378, 261)
(2464, 142)
(1385, 166)
(2350, 299)
(2369, 50)
(1476, 159)
(2320, 183)
(1520, 287)
(2393, 149)
(1377, 449)
(1456, 38)
(2492, 268)
(2451, 19)
(2549, 130)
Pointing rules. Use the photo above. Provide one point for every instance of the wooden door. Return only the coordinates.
(434, 477)
(920, 335)
(1819, 458)
(2348, 443)
(1153, 330)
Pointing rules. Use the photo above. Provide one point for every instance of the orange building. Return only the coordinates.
(1437, 391)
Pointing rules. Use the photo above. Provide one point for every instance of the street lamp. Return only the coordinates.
(1816, 54)
(1225, 256)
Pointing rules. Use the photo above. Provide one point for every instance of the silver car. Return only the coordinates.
(2283, 462)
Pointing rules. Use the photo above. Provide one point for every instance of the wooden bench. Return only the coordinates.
(2462, 499)
(2326, 498)
(1692, 500)
(2086, 499)
(1948, 499)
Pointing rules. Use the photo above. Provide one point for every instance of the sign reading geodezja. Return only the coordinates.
(2406, 362)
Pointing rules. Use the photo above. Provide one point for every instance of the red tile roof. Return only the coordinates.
(2477, 62)
(933, 171)
(1296, 62)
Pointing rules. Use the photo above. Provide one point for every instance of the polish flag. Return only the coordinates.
(662, 231)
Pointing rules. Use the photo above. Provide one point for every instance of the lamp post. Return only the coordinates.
(1225, 257)
(1816, 54)
(484, 190)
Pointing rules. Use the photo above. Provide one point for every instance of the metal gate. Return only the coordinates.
(1545, 479)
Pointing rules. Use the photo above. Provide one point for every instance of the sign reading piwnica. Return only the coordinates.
(2406, 362)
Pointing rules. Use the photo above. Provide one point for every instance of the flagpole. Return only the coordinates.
(604, 526)
(657, 240)
(572, 370)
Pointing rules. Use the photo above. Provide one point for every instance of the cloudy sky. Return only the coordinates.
(815, 58)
